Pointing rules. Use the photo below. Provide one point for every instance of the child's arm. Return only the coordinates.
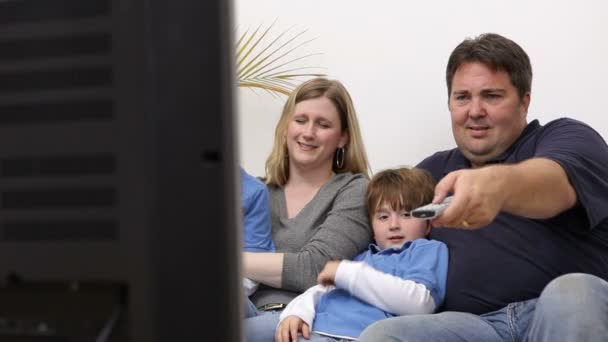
(327, 276)
(416, 286)
(287, 331)
(303, 305)
(388, 292)
(257, 226)
(250, 286)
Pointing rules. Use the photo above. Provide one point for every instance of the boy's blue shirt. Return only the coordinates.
(339, 313)
(257, 227)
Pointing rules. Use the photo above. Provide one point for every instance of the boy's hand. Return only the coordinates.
(328, 274)
(287, 331)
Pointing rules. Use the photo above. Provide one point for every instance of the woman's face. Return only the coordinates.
(314, 132)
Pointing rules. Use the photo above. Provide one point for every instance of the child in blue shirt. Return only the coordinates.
(257, 228)
(402, 274)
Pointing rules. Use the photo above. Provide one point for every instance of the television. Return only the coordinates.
(119, 184)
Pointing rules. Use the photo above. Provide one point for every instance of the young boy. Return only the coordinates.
(257, 229)
(403, 273)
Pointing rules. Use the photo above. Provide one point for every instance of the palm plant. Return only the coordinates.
(273, 66)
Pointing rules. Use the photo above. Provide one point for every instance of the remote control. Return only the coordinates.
(431, 211)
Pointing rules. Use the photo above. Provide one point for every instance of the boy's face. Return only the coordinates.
(394, 228)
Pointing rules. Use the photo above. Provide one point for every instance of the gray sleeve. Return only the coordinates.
(344, 233)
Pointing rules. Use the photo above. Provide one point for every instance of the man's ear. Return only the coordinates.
(525, 101)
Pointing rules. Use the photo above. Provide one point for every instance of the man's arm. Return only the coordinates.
(537, 188)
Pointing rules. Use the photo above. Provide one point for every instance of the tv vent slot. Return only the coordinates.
(102, 197)
(99, 76)
(55, 112)
(58, 166)
(24, 11)
(42, 48)
(61, 230)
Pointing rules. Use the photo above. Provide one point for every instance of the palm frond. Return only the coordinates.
(262, 69)
(273, 64)
(244, 51)
(247, 69)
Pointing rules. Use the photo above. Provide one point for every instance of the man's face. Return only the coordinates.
(487, 113)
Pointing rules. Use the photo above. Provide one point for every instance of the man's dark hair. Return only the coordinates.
(496, 52)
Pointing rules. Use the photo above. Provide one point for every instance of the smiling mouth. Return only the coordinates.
(478, 131)
(478, 128)
(306, 146)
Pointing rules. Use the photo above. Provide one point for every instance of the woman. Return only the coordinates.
(317, 176)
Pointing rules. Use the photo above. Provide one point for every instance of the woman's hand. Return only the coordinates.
(327, 276)
(288, 329)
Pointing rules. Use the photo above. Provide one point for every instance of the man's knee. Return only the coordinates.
(375, 332)
(391, 329)
(572, 292)
(572, 307)
(441, 327)
(575, 285)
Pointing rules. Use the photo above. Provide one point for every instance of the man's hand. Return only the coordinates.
(537, 188)
(327, 276)
(478, 197)
(288, 329)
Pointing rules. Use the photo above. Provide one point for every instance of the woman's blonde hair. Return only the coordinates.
(355, 160)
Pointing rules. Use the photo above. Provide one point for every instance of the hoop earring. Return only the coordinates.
(340, 154)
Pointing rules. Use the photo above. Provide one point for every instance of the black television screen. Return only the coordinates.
(118, 180)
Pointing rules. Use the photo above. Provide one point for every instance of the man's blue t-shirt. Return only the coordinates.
(514, 258)
(257, 227)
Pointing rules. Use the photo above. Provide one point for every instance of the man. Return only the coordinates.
(527, 228)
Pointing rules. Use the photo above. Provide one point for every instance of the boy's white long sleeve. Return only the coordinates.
(250, 286)
(385, 291)
(303, 305)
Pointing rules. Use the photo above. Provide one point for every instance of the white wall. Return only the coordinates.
(391, 55)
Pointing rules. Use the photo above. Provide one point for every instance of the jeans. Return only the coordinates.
(314, 337)
(259, 326)
(571, 308)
